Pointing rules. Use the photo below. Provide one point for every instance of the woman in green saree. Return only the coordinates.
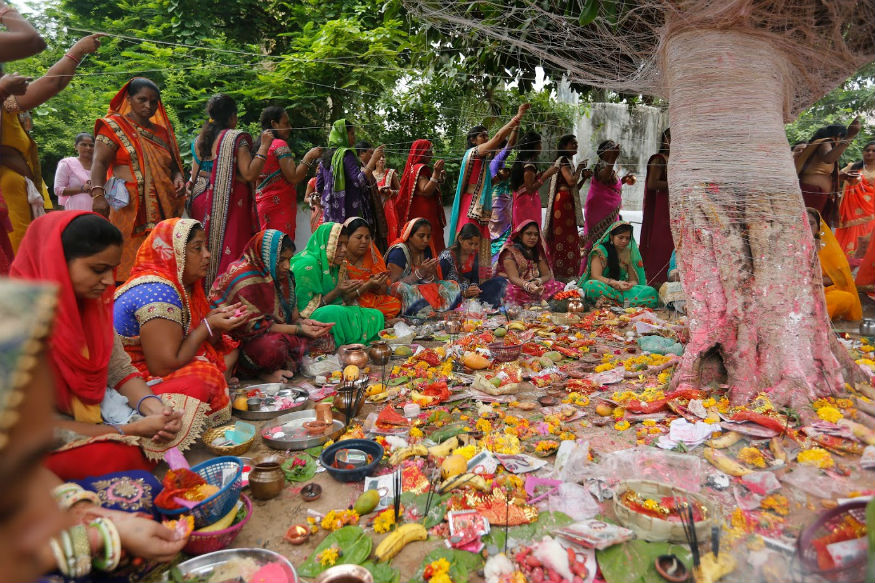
(615, 271)
(323, 291)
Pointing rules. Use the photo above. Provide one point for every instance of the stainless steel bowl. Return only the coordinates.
(867, 327)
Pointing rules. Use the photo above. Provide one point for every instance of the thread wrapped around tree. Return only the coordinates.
(733, 72)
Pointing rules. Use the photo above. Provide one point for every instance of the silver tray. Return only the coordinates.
(271, 389)
(204, 565)
(297, 437)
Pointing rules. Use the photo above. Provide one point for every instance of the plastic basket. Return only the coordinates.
(825, 523)
(220, 503)
(200, 543)
(505, 352)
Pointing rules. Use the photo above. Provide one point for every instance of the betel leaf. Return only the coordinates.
(461, 563)
(299, 473)
(529, 533)
(633, 561)
(352, 540)
(382, 572)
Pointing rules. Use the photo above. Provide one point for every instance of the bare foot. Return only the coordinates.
(277, 376)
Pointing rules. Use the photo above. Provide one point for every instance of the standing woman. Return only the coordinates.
(473, 200)
(564, 213)
(275, 195)
(605, 195)
(135, 144)
(502, 196)
(388, 186)
(314, 199)
(342, 180)
(857, 210)
(656, 240)
(324, 293)
(73, 176)
(818, 168)
(21, 182)
(226, 207)
(420, 192)
(526, 181)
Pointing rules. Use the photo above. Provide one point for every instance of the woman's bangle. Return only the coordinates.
(76, 61)
(261, 156)
(69, 494)
(93, 188)
(307, 163)
(117, 427)
(140, 402)
(209, 328)
(112, 546)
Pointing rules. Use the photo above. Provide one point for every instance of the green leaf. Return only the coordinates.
(461, 563)
(352, 540)
(299, 473)
(382, 572)
(632, 562)
(588, 12)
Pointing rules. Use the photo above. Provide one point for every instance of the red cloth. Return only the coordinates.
(429, 291)
(97, 459)
(656, 239)
(275, 198)
(82, 338)
(562, 239)
(409, 204)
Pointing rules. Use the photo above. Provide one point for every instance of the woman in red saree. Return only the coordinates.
(364, 262)
(857, 209)
(388, 186)
(274, 339)
(275, 195)
(226, 207)
(165, 322)
(420, 193)
(564, 212)
(135, 144)
(523, 262)
(78, 251)
(656, 240)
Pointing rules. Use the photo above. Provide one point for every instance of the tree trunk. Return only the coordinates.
(754, 289)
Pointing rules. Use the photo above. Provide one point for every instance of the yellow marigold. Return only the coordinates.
(723, 404)
(578, 399)
(329, 556)
(709, 402)
(547, 446)
(651, 504)
(817, 457)
(648, 423)
(829, 413)
(844, 403)
(384, 520)
(604, 367)
(777, 504)
(619, 412)
(752, 457)
(621, 425)
(467, 451)
(483, 425)
(567, 436)
(416, 432)
(655, 430)
(664, 377)
(438, 570)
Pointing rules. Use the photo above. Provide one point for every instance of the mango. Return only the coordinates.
(545, 362)
(403, 350)
(366, 503)
(453, 466)
(604, 409)
(351, 373)
(500, 332)
(240, 403)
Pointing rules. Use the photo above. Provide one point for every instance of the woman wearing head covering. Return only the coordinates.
(526, 181)
(657, 243)
(135, 145)
(273, 340)
(420, 193)
(615, 271)
(364, 263)
(415, 273)
(461, 263)
(324, 292)
(225, 205)
(165, 322)
(473, 200)
(345, 185)
(842, 299)
(101, 435)
(523, 262)
(857, 207)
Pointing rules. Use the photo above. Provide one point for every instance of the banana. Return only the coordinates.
(444, 449)
(402, 454)
(223, 522)
(473, 480)
(724, 463)
(859, 430)
(385, 395)
(724, 441)
(398, 539)
(777, 450)
(516, 325)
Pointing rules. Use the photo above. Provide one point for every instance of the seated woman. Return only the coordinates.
(523, 262)
(615, 271)
(671, 293)
(415, 273)
(364, 263)
(274, 338)
(324, 293)
(842, 299)
(460, 263)
(165, 322)
(86, 356)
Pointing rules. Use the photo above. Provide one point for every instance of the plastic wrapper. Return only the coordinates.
(322, 366)
(648, 463)
(573, 500)
(572, 461)
(814, 481)
(660, 345)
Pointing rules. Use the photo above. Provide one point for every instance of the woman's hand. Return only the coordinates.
(86, 45)
(438, 169)
(157, 427)
(521, 111)
(226, 318)
(375, 282)
(142, 537)
(13, 84)
(313, 329)
(267, 138)
(428, 267)
(179, 184)
(348, 288)
(854, 128)
(472, 291)
(99, 204)
(312, 155)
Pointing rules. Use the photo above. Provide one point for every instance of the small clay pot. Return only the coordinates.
(298, 534)
(316, 427)
(548, 401)
(311, 492)
(380, 353)
(266, 480)
(671, 569)
(353, 354)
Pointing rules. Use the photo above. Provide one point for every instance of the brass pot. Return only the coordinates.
(266, 480)
(380, 352)
(353, 354)
(454, 327)
(575, 306)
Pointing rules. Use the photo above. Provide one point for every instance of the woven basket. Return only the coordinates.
(234, 450)
(655, 529)
(200, 543)
(505, 352)
(853, 571)
(220, 503)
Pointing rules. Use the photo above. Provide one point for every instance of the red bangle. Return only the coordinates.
(74, 59)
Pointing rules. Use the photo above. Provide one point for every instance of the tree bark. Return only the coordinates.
(745, 252)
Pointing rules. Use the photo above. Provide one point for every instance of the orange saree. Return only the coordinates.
(856, 219)
(373, 264)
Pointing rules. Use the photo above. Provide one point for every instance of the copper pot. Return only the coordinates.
(454, 327)
(266, 480)
(323, 413)
(353, 354)
(575, 306)
(380, 352)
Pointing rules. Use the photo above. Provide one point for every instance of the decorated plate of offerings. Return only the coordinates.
(653, 510)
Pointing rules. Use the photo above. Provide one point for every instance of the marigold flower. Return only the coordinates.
(621, 425)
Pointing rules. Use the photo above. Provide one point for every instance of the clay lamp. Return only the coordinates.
(671, 568)
(298, 534)
(548, 401)
(311, 492)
